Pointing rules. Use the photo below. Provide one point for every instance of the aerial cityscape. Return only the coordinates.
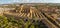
(29, 13)
(33, 15)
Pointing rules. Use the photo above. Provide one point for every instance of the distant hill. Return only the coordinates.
(58, 4)
(14, 4)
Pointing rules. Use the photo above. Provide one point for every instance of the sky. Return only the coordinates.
(28, 1)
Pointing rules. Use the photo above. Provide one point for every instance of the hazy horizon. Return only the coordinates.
(28, 1)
